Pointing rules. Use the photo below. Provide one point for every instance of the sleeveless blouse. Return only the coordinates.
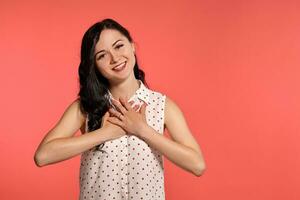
(127, 168)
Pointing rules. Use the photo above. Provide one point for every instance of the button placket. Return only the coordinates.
(124, 167)
(128, 168)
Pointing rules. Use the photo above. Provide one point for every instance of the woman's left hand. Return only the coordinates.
(126, 117)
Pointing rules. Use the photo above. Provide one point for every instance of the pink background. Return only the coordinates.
(231, 66)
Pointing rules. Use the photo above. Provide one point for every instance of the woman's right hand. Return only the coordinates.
(115, 130)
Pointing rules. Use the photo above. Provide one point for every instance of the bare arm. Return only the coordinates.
(59, 143)
(182, 150)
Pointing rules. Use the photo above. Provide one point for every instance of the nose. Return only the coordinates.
(114, 57)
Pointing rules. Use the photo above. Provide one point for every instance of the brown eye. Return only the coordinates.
(119, 46)
(100, 56)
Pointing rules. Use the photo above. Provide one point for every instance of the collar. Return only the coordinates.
(143, 93)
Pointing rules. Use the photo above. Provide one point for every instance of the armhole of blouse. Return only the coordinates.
(86, 123)
(164, 112)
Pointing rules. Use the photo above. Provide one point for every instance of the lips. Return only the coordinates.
(120, 66)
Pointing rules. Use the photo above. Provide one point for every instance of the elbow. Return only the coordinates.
(39, 160)
(199, 169)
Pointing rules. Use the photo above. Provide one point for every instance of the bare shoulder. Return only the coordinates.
(69, 123)
(177, 125)
(74, 108)
(171, 109)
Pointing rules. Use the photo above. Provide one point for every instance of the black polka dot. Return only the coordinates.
(129, 165)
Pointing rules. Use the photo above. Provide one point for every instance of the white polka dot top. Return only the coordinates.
(127, 168)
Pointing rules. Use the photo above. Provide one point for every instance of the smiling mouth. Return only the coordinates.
(120, 66)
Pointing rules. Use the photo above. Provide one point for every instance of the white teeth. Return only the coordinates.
(119, 67)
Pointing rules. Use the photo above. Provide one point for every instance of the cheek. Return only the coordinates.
(102, 70)
(102, 66)
(130, 55)
(99, 67)
(128, 52)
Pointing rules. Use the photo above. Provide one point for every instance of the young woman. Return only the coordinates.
(122, 122)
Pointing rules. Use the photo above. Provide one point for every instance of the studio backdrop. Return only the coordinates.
(231, 66)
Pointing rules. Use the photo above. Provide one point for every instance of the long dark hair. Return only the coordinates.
(93, 93)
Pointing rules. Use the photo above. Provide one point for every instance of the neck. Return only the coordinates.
(127, 88)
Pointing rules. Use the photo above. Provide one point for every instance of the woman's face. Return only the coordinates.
(114, 55)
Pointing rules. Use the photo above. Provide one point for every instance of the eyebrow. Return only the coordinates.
(111, 45)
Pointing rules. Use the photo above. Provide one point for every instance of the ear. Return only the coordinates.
(133, 46)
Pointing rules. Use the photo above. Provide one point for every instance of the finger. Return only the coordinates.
(143, 108)
(119, 106)
(114, 112)
(124, 102)
(116, 121)
(106, 114)
(131, 103)
(136, 107)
